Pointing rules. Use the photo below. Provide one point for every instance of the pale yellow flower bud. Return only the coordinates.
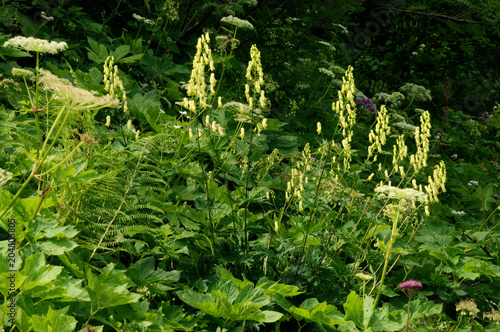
(318, 128)
(108, 121)
(242, 133)
(264, 123)
(219, 101)
(190, 134)
(129, 125)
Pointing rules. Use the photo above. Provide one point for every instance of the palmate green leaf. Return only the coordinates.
(144, 272)
(203, 302)
(383, 320)
(175, 318)
(37, 273)
(103, 295)
(97, 52)
(423, 307)
(55, 320)
(312, 310)
(272, 288)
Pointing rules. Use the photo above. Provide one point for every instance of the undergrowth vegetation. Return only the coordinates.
(141, 194)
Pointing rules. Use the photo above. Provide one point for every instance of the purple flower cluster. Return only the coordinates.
(495, 196)
(367, 104)
(485, 116)
(410, 285)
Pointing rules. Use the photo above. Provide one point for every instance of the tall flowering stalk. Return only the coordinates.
(393, 212)
(71, 99)
(39, 46)
(409, 287)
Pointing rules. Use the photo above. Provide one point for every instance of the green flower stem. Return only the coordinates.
(486, 220)
(387, 256)
(39, 162)
(62, 161)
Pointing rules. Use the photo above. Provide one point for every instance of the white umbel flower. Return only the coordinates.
(36, 45)
(398, 193)
(239, 23)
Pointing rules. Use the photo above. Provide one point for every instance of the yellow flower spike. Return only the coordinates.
(108, 121)
(137, 134)
(301, 208)
(318, 126)
(242, 133)
(191, 134)
(207, 121)
(129, 125)
(219, 101)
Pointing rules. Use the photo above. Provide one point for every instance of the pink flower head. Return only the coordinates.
(495, 196)
(410, 285)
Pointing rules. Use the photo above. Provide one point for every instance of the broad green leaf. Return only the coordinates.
(271, 288)
(354, 309)
(103, 295)
(55, 320)
(271, 316)
(383, 320)
(422, 307)
(120, 52)
(56, 247)
(37, 273)
(62, 231)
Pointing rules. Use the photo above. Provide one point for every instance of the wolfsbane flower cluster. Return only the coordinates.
(36, 45)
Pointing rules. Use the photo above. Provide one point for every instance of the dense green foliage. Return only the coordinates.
(284, 171)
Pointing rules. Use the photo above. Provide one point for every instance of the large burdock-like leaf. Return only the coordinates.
(232, 299)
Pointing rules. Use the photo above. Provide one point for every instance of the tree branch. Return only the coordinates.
(453, 18)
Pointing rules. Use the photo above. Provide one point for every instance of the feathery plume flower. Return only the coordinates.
(22, 72)
(75, 98)
(36, 45)
(143, 19)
